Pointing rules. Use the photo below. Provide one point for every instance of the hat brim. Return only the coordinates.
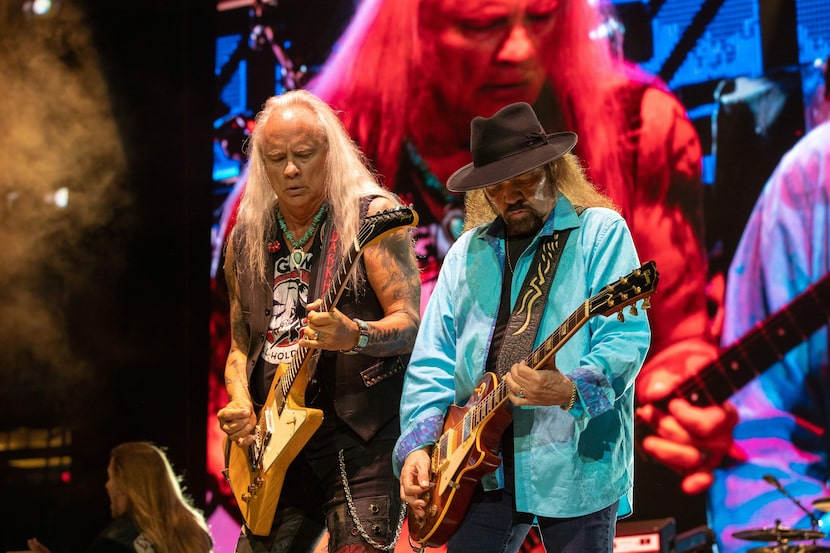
(470, 177)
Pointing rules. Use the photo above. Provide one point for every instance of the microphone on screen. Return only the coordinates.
(770, 479)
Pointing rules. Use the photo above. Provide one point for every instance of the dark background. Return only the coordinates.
(135, 310)
(129, 293)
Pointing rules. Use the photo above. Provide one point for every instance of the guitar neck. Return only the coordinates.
(767, 342)
(371, 230)
(479, 413)
(554, 342)
(330, 298)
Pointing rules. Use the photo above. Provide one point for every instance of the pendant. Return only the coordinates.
(297, 257)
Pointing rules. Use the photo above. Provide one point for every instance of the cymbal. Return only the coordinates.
(822, 504)
(777, 534)
(790, 549)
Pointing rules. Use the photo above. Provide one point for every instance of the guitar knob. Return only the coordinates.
(633, 310)
(646, 304)
(432, 511)
(246, 498)
(620, 316)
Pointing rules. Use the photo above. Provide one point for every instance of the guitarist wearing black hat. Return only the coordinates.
(510, 332)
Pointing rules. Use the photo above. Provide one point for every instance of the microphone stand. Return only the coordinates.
(813, 519)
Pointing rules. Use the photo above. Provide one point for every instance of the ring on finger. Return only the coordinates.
(521, 392)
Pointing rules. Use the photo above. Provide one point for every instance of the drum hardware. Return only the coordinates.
(790, 549)
(783, 536)
(778, 534)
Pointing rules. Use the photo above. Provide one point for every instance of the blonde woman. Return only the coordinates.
(150, 512)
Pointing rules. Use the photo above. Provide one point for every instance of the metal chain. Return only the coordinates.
(353, 512)
(507, 252)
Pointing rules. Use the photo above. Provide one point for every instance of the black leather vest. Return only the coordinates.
(367, 390)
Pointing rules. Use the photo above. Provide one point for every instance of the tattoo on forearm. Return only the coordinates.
(395, 339)
(403, 279)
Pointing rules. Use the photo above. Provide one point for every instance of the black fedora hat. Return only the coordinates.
(509, 143)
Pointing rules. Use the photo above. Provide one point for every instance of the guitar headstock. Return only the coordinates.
(639, 284)
(382, 223)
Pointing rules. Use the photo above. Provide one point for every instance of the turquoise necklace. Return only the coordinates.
(428, 177)
(297, 254)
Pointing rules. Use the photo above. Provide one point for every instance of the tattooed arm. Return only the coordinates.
(393, 274)
(238, 418)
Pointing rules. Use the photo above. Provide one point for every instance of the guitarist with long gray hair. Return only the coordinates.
(546, 435)
(324, 303)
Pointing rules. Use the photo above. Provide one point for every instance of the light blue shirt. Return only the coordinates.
(567, 463)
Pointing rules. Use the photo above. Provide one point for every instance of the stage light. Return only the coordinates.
(41, 8)
(60, 197)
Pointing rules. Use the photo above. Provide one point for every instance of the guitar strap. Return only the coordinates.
(521, 330)
(322, 276)
(330, 254)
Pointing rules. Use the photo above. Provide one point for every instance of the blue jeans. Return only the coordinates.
(492, 525)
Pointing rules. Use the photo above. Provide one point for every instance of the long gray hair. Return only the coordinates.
(348, 178)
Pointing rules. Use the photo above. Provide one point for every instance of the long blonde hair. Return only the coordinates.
(155, 500)
(566, 176)
(348, 178)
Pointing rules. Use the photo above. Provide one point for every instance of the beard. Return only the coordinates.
(522, 224)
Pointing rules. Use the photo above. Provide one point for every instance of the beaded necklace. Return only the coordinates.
(428, 177)
(297, 254)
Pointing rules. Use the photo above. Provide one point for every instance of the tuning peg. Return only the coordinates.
(633, 310)
(620, 316)
(646, 304)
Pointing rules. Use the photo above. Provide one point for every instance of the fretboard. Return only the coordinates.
(767, 342)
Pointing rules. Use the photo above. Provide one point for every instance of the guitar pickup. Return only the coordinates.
(268, 415)
(441, 454)
(269, 421)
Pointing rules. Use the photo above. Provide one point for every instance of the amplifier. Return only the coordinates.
(645, 536)
(696, 540)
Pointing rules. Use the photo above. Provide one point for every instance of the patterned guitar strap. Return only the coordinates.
(323, 274)
(520, 333)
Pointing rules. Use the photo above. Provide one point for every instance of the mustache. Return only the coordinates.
(518, 207)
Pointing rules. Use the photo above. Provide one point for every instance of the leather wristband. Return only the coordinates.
(362, 339)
